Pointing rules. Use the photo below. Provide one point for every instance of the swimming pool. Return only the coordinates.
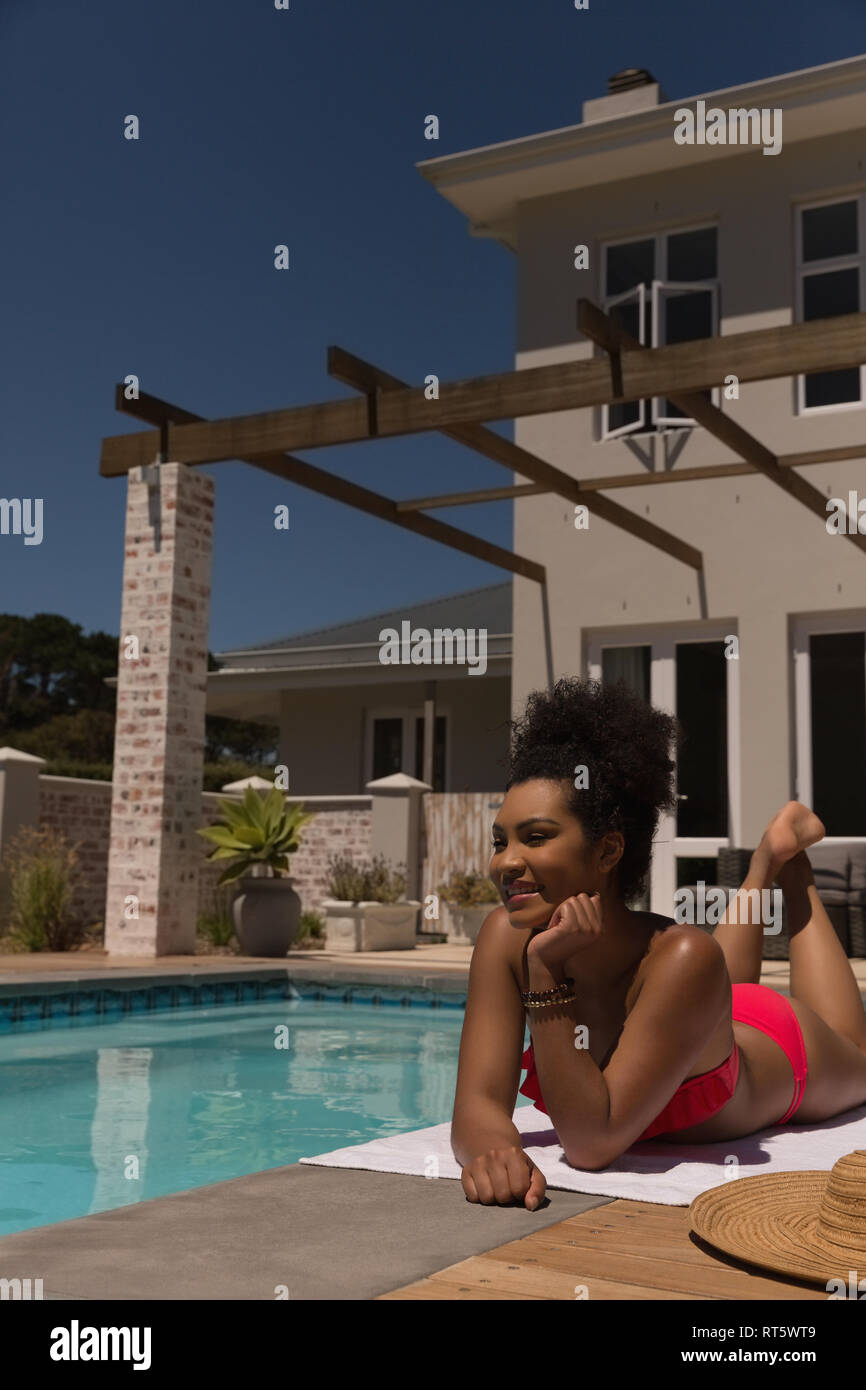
(102, 1114)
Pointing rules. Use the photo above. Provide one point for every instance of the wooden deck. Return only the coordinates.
(625, 1250)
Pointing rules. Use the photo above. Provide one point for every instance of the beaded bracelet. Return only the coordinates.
(548, 1003)
(539, 999)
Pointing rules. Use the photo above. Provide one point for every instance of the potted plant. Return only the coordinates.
(469, 898)
(259, 833)
(367, 909)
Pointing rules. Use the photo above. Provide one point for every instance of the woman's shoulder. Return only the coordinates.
(667, 935)
(662, 961)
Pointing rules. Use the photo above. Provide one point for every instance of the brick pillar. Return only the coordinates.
(156, 803)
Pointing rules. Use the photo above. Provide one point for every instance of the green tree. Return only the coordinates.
(55, 703)
(86, 736)
(48, 666)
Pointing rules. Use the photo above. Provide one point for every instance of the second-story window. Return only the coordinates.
(663, 289)
(831, 280)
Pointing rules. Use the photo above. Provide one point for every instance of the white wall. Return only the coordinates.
(766, 556)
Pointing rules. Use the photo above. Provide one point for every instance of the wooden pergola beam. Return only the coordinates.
(464, 499)
(354, 371)
(619, 343)
(822, 345)
(292, 470)
(670, 475)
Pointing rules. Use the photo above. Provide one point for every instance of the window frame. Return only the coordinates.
(804, 269)
(657, 424)
(408, 714)
(802, 629)
(640, 425)
(710, 287)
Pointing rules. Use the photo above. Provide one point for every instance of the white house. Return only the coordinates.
(347, 717)
(680, 241)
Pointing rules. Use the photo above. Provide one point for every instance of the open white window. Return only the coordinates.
(629, 311)
(663, 289)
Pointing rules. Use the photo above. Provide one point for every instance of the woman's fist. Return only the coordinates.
(501, 1177)
(576, 923)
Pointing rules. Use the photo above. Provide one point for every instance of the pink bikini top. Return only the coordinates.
(697, 1099)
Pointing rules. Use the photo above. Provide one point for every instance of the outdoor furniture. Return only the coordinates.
(840, 878)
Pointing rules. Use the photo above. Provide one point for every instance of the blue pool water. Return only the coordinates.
(95, 1115)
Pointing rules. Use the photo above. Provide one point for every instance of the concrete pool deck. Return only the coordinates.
(323, 1233)
(440, 965)
(338, 1234)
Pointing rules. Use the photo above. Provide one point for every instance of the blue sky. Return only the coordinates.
(303, 126)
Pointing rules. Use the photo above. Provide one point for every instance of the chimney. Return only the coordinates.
(632, 89)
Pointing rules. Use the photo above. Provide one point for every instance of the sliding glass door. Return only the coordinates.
(686, 671)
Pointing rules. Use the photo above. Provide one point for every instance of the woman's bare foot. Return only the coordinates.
(791, 831)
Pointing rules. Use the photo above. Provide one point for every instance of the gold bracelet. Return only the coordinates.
(534, 998)
(547, 1003)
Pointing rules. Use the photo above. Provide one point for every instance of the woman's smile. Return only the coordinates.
(520, 892)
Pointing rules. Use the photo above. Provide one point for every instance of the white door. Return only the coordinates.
(394, 742)
(685, 671)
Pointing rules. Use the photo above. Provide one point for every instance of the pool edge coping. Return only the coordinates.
(453, 981)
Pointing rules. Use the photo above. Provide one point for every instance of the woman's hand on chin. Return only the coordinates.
(576, 923)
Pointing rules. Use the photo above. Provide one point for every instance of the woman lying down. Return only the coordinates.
(641, 1026)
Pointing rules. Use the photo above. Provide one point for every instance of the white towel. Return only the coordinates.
(654, 1171)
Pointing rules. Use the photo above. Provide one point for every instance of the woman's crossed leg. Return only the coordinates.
(825, 995)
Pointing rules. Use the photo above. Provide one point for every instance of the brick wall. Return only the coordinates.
(337, 829)
(82, 810)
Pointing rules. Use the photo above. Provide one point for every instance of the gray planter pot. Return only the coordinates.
(464, 923)
(369, 926)
(266, 915)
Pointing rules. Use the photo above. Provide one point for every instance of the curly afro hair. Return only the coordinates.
(625, 745)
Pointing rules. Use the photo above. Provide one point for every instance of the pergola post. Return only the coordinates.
(156, 805)
(397, 821)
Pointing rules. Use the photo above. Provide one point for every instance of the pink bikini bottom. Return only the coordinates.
(772, 1013)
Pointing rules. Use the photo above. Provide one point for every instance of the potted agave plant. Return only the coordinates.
(259, 833)
(367, 909)
(468, 899)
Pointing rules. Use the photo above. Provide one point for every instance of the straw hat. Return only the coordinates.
(811, 1225)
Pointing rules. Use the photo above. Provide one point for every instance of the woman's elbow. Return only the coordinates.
(590, 1158)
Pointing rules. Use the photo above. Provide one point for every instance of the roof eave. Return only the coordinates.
(489, 182)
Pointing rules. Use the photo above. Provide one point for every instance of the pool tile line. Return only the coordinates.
(25, 1011)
